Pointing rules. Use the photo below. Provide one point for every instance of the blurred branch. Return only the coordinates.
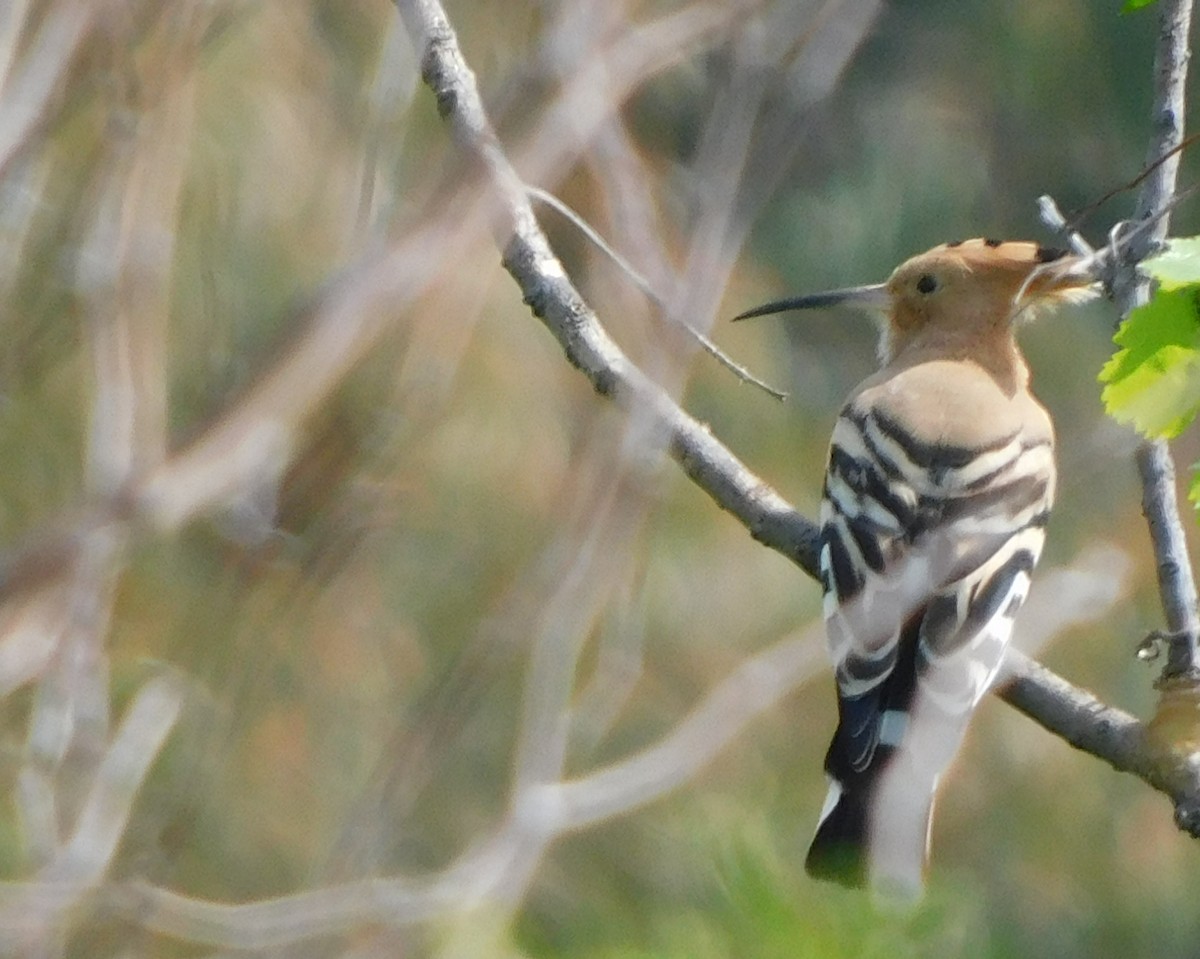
(124, 272)
(564, 626)
(58, 633)
(1051, 701)
(619, 658)
(29, 82)
(107, 805)
(755, 687)
(543, 808)
(606, 77)
(68, 728)
(392, 902)
(35, 910)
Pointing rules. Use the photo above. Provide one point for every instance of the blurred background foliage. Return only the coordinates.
(356, 663)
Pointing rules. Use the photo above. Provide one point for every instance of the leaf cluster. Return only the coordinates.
(1153, 380)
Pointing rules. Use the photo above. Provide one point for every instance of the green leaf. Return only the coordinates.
(1153, 381)
(1177, 265)
(1131, 5)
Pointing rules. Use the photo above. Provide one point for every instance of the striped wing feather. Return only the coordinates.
(927, 544)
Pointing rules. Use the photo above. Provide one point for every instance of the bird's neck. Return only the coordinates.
(993, 350)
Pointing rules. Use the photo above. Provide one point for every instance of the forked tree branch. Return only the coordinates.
(1063, 709)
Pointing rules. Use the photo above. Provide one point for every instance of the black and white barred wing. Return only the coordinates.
(929, 546)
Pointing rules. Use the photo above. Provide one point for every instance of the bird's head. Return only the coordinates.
(962, 290)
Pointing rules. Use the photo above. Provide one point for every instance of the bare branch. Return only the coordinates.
(643, 284)
(754, 688)
(33, 909)
(30, 86)
(125, 273)
(1078, 717)
(392, 902)
(1176, 582)
(1106, 733)
(101, 821)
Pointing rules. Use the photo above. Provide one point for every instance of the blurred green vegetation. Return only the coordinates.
(356, 675)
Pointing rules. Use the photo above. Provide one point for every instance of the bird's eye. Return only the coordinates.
(927, 283)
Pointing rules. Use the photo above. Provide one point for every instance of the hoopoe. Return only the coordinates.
(939, 482)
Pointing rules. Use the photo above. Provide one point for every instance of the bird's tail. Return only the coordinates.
(874, 830)
(838, 852)
(874, 827)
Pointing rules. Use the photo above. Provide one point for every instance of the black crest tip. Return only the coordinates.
(1048, 254)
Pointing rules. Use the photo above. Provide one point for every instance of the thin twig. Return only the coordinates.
(1078, 216)
(1125, 248)
(1053, 217)
(647, 290)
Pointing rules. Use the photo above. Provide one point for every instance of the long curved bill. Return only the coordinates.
(873, 297)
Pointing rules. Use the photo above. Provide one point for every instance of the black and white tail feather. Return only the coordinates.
(926, 555)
